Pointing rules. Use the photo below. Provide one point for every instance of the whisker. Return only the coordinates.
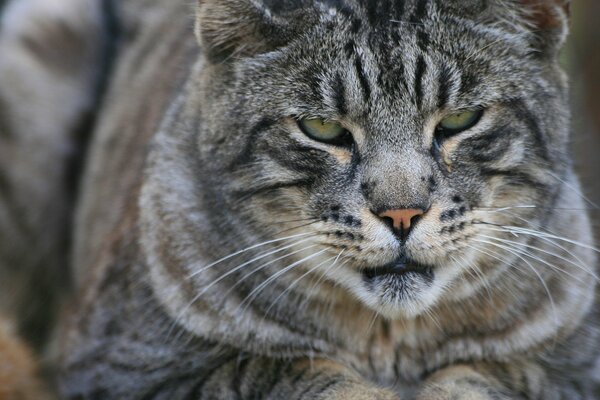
(574, 189)
(322, 276)
(536, 258)
(263, 266)
(496, 255)
(300, 226)
(245, 250)
(551, 242)
(254, 293)
(517, 229)
(550, 253)
(297, 280)
(329, 269)
(518, 254)
(499, 209)
(236, 269)
(475, 271)
(222, 277)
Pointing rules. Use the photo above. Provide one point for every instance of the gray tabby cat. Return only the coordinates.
(335, 199)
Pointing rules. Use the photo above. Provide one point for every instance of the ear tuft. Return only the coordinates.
(549, 22)
(227, 28)
(548, 14)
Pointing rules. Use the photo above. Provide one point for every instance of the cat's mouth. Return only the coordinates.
(400, 267)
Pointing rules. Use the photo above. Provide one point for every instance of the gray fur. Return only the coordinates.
(236, 244)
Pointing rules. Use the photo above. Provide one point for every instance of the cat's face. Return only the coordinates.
(373, 111)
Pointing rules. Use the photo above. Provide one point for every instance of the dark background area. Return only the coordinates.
(582, 58)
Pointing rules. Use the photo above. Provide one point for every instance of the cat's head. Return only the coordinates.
(399, 144)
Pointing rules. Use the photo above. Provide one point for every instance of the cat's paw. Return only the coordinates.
(450, 391)
(359, 392)
(460, 383)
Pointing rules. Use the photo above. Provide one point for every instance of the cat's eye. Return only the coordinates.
(325, 131)
(459, 122)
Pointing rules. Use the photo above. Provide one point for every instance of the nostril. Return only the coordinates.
(415, 219)
(388, 221)
(401, 220)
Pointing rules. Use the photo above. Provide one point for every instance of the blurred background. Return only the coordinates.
(582, 59)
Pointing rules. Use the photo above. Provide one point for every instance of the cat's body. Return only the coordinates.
(195, 252)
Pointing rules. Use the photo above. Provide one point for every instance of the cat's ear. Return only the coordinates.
(548, 21)
(237, 28)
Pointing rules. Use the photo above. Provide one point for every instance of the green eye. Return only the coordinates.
(460, 122)
(323, 131)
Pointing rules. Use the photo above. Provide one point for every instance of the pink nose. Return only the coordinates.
(402, 219)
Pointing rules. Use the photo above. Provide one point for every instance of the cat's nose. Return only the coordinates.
(402, 220)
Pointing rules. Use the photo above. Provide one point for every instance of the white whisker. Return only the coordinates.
(297, 280)
(550, 253)
(263, 285)
(245, 250)
(518, 254)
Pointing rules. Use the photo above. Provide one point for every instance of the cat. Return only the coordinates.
(336, 199)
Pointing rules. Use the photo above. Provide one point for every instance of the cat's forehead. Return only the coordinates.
(380, 11)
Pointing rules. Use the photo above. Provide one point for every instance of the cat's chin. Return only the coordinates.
(401, 289)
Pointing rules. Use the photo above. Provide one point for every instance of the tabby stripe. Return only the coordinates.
(468, 83)
(400, 76)
(354, 164)
(526, 386)
(311, 163)
(515, 177)
(275, 378)
(275, 186)
(371, 10)
(167, 386)
(492, 146)
(419, 74)
(397, 9)
(317, 86)
(356, 25)
(422, 39)
(299, 376)
(444, 86)
(246, 155)
(328, 385)
(420, 12)
(349, 49)
(384, 12)
(482, 386)
(238, 376)
(197, 390)
(310, 385)
(341, 6)
(523, 113)
(339, 93)
(362, 78)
